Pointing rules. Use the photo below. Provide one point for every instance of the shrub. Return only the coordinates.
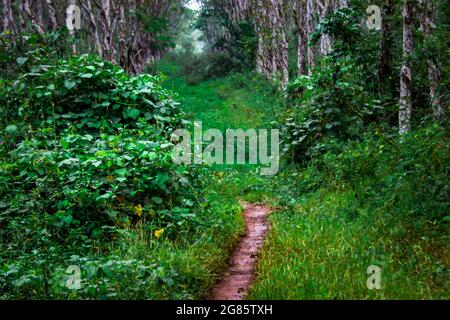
(88, 93)
(325, 105)
(86, 155)
(80, 180)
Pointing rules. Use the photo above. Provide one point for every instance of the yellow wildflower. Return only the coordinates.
(138, 210)
(159, 233)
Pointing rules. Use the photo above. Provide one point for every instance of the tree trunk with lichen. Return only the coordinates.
(299, 15)
(9, 24)
(434, 68)
(405, 103)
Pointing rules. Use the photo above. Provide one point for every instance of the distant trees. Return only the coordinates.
(134, 33)
(275, 20)
(131, 33)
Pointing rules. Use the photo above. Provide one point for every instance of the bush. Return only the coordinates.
(325, 105)
(86, 157)
(90, 147)
(408, 174)
(89, 94)
(19, 53)
(80, 180)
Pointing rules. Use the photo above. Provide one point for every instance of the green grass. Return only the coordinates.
(237, 101)
(184, 269)
(315, 252)
(336, 218)
(377, 202)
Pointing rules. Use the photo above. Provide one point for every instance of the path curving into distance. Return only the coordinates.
(239, 276)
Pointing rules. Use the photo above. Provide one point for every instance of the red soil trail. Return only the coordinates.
(240, 273)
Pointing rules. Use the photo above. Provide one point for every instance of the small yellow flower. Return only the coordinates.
(138, 210)
(110, 178)
(159, 233)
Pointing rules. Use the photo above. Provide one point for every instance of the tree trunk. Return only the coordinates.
(302, 46)
(343, 4)
(52, 17)
(34, 21)
(309, 30)
(279, 43)
(105, 18)
(385, 65)
(87, 6)
(405, 110)
(8, 19)
(133, 43)
(434, 69)
(38, 7)
(323, 8)
(122, 36)
(70, 17)
(264, 55)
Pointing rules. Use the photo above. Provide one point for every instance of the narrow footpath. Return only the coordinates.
(239, 276)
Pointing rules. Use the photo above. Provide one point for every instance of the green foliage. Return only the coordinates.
(87, 179)
(92, 182)
(159, 28)
(338, 99)
(239, 100)
(20, 53)
(236, 40)
(380, 201)
(88, 93)
(327, 104)
(198, 68)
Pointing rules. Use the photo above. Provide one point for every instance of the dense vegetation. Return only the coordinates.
(87, 179)
(86, 172)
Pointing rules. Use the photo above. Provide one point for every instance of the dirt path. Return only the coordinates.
(239, 275)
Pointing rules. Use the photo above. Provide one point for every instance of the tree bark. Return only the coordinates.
(323, 9)
(279, 43)
(94, 30)
(105, 19)
(71, 18)
(302, 45)
(405, 110)
(33, 19)
(133, 44)
(309, 30)
(264, 55)
(8, 19)
(343, 4)
(122, 36)
(22, 18)
(38, 7)
(385, 64)
(52, 16)
(434, 68)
